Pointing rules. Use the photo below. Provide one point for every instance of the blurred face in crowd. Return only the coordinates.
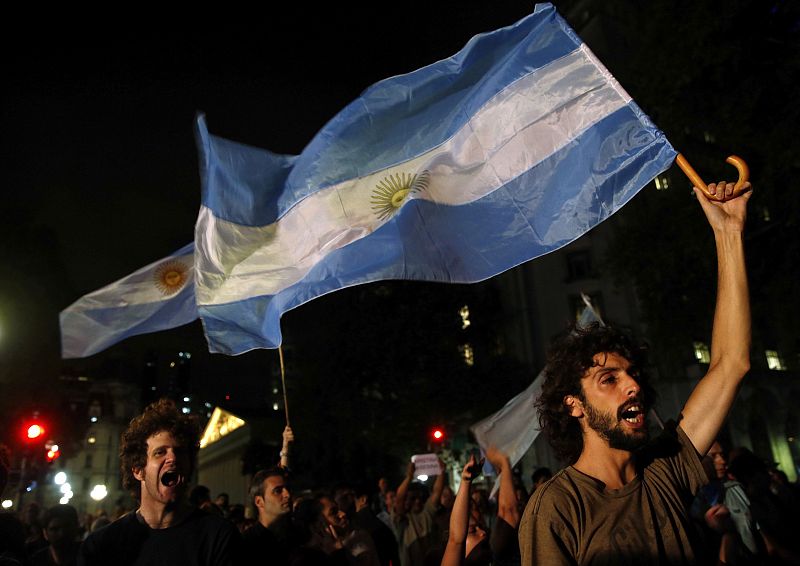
(165, 475)
(414, 501)
(60, 532)
(276, 499)
(447, 499)
(717, 457)
(389, 499)
(334, 516)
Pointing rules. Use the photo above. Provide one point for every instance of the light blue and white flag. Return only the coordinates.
(157, 297)
(512, 148)
(515, 427)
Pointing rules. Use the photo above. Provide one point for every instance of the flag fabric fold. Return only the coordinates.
(157, 297)
(515, 427)
(512, 148)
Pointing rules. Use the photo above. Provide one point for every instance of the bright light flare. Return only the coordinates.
(60, 478)
(98, 493)
(35, 431)
(7, 503)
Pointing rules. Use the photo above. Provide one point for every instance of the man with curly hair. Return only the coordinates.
(158, 454)
(624, 499)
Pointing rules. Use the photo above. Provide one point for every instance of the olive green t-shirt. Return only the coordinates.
(573, 519)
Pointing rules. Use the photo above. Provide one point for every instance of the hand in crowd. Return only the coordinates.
(288, 436)
(718, 519)
(728, 216)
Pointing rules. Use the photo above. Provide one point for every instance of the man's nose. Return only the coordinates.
(631, 386)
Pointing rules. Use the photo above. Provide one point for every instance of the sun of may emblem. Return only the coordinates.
(170, 277)
(393, 190)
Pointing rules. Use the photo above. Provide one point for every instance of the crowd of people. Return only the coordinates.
(624, 498)
(746, 511)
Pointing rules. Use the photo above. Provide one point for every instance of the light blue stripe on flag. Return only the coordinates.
(157, 297)
(528, 144)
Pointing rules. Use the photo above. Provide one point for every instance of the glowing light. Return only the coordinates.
(93, 419)
(7, 503)
(91, 440)
(220, 424)
(438, 434)
(98, 492)
(185, 410)
(186, 399)
(35, 431)
(65, 488)
(275, 407)
(64, 500)
(422, 477)
(60, 478)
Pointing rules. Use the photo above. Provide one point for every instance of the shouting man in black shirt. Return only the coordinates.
(158, 455)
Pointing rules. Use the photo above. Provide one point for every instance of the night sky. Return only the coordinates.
(100, 165)
(101, 172)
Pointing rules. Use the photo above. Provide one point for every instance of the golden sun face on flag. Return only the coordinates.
(171, 276)
(393, 190)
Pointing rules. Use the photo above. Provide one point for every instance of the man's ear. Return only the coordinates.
(138, 473)
(574, 406)
(259, 501)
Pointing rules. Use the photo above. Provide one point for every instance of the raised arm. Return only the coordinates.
(456, 549)
(438, 486)
(402, 492)
(506, 500)
(709, 403)
(288, 438)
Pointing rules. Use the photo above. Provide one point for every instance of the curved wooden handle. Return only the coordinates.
(697, 181)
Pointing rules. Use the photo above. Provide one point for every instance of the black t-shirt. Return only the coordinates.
(201, 539)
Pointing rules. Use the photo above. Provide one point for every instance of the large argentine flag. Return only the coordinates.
(510, 149)
(156, 297)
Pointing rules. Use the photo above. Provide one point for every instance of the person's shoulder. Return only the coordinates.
(558, 492)
(124, 524)
(207, 521)
(119, 536)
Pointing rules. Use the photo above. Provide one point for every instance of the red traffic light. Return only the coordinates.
(53, 453)
(34, 431)
(438, 434)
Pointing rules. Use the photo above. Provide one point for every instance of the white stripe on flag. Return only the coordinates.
(551, 107)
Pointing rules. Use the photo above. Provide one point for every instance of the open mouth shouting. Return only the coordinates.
(632, 413)
(171, 479)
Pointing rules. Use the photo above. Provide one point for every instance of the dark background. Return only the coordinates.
(100, 178)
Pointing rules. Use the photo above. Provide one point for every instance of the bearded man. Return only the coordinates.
(158, 454)
(625, 499)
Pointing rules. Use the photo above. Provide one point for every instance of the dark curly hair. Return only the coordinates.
(161, 416)
(569, 358)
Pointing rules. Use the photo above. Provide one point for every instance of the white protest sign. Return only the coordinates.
(426, 465)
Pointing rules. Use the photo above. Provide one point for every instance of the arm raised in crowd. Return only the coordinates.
(438, 486)
(402, 492)
(456, 549)
(288, 438)
(709, 403)
(506, 499)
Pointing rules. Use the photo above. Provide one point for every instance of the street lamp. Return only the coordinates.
(98, 492)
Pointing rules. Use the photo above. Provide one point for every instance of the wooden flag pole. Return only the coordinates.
(697, 181)
(283, 383)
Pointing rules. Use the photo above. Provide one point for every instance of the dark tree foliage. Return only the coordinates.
(718, 78)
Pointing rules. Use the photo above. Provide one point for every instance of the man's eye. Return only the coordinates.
(610, 379)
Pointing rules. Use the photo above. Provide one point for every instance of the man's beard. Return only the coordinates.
(612, 429)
